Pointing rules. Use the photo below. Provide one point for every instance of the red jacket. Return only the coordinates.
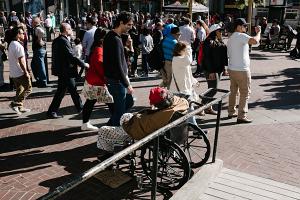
(95, 73)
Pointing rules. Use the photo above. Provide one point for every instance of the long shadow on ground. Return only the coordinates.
(286, 93)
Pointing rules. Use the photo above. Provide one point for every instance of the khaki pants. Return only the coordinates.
(239, 81)
(166, 73)
(23, 89)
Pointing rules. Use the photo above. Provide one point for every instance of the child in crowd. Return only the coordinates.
(147, 46)
(77, 49)
(128, 50)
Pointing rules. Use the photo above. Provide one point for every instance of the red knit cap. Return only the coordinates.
(157, 95)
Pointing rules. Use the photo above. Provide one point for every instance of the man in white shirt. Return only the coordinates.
(187, 32)
(239, 69)
(88, 37)
(18, 71)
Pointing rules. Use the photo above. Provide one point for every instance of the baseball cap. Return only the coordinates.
(214, 27)
(157, 95)
(240, 21)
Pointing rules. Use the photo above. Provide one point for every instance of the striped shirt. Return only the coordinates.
(168, 46)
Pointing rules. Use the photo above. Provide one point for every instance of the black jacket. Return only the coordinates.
(214, 56)
(64, 62)
(114, 62)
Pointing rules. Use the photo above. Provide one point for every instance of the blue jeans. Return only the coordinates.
(38, 66)
(122, 101)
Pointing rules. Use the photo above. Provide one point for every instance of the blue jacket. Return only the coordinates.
(168, 47)
(167, 29)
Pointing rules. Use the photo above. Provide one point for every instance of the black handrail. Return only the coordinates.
(101, 166)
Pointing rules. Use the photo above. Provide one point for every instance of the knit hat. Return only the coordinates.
(125, 118)
(157, 95)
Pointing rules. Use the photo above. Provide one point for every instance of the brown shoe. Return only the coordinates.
(210, 111)
(243, 121)
(232, 116)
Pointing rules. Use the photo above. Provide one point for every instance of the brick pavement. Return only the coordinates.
(37, 155)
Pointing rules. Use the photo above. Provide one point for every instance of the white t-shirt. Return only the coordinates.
(187, 34)
(78, 51)
(238, 52)
(15, 51)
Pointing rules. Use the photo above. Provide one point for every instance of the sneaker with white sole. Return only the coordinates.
(89, 127)
(15, 109)
(24, 110)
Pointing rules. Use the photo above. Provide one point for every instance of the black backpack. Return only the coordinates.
(156, 57)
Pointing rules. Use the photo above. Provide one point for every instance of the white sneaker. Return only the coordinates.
(15, 109)
(89, 127)
(194, 63)
(24, 110)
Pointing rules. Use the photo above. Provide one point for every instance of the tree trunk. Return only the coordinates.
(101, 5)
(191, 9)
(250, 8)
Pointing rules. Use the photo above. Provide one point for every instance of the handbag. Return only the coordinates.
(105, 96)
(3, 56)
(180, 94)
(100, 93)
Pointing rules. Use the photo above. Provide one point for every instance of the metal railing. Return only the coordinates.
(153, 136)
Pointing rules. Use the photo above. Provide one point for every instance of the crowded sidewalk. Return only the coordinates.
(39, 154)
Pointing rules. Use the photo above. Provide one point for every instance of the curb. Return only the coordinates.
(198, 184)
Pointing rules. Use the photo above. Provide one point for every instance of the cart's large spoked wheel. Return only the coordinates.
(197, 147)
(173, 166)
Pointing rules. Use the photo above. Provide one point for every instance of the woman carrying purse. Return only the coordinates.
(214, 61)
(95, 89)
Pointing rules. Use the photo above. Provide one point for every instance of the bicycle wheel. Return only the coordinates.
(173, 167)
(197, 147)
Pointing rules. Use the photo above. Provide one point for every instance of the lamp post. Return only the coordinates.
(190, 2)
(101, 5)
(250, 9)
(23, 4)
(162, 3)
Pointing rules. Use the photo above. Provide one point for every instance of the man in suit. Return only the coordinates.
(64, 65)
